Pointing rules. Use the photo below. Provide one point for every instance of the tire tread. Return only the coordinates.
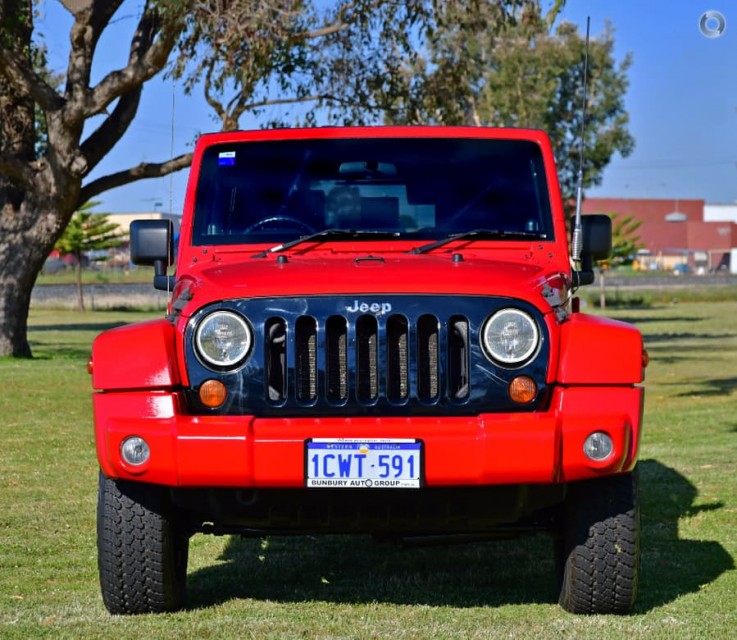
(141, 555)
(601, 546)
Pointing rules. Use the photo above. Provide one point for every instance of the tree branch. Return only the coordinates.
(150, 49)
(28, 82)
(216, 106)
(235, 111)
(107, 135)
(277, 101)
(90, 20)
(139, 172)
(339, 25)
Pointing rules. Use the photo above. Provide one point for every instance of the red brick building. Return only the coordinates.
(673, 231)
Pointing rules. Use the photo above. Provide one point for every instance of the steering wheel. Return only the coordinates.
(285, 220)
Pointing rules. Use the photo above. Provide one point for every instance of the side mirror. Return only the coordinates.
(596, 243)
(597, 236)
(152, 245)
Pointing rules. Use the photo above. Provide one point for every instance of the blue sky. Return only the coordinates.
(682, 103)
(682, 99)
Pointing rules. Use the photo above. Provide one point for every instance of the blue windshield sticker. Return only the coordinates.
(226, 158)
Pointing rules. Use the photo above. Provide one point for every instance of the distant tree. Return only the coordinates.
(88, 231)
(483, 66)
(625, 241)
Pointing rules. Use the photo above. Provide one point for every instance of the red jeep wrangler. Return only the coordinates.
(371, 330)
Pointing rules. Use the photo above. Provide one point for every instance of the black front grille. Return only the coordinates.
(374, 358)
(378, 356)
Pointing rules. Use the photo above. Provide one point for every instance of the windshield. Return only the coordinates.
(415, 188)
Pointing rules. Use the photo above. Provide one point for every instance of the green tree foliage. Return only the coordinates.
(329, 57)
(485, 65)
(88, 231)
(625, 241)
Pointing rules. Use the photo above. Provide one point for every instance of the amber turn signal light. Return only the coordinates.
(213, 393)
(523, 389)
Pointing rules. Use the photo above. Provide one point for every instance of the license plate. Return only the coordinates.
(349, 463)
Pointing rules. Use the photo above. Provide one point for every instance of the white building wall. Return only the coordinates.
(720, 213)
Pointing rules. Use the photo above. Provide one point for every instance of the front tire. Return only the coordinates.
(141, 550)
(598, 546)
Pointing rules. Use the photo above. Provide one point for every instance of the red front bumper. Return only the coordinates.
(489, 449)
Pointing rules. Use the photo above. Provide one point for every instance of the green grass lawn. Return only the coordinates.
(341, 587)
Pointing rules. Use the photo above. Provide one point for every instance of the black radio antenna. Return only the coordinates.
(576, 239)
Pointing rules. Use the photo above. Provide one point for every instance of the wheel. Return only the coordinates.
(141, 554)
(281, 220)
(598, 546)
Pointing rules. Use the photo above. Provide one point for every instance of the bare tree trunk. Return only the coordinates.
(15, 300)
(78, 272)
(22, 255)
(17, 136)
(28, 233)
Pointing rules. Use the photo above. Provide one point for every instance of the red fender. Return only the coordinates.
(595, 350)
(136, 356)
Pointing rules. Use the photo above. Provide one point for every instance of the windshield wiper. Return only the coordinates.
(488, 234)
(327, 234)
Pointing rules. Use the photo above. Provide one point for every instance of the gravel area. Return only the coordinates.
(99, 296)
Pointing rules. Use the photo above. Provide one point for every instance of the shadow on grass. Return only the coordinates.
(637, 320)
(79, 326)
(66, 341)
(666, 352)
(59, 350)
(672, 337)
(673, 567)
(714, 387)
(344, 569)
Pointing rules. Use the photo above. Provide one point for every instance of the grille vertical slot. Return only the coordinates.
(336, 360)
(428, 366)
(397, 358)
(275, 359)
(459, 374)
(367, 359)
(306, 359)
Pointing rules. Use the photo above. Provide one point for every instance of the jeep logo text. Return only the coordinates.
(365, 307)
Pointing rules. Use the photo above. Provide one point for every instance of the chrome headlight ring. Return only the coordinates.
(510, 337)
(223, 339)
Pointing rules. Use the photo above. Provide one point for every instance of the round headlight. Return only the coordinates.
(510, 336)
(223, 339)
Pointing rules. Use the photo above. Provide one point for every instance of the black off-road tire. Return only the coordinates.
(141, 552)
(598, 546)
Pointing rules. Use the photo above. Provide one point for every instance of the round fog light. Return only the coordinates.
(598, 446)
(135, 451)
